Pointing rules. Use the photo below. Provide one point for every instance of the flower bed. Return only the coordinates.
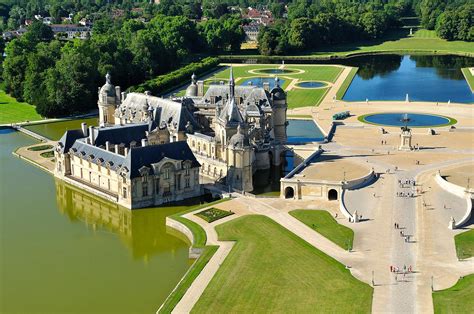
(213, 214)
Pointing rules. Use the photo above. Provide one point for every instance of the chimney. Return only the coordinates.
(91, 135)
(117, 92)
(266, 86)
(107, 146)
(144, 142)
(84, 129)
(116, 149)
(200, 86)
(125, 151)
(124, 94)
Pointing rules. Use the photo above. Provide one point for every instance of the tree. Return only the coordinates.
(301, 34)
(430, 10)
(72, 83)
(447, 25)
(38, 32)
(374, 24)
(14, 67)
(45, 57)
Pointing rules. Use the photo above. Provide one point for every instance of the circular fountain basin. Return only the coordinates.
(258, 81)
(416, 120)
(277, 71)
(311, 84)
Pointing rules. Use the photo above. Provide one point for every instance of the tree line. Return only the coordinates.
(314, 24)
(61, 78)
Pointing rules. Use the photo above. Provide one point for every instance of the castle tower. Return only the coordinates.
(239, 161)
(109, 99)
(230, 116)
(279, 111)
(192, 90)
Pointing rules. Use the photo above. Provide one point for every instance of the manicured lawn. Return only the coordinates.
(200, 239)
(469, 78)
(465, 244)
(398, 41)
(326, 225)
(305, 97)
(345, 85)
(213, 214)
(301, 116)
(318, 73)
(457, 299)
(272, 270)
(12, 111)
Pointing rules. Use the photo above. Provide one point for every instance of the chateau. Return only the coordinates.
(149, 150)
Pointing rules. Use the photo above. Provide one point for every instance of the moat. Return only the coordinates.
(64, 250)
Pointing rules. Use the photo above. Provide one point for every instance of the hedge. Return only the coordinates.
(164, 82)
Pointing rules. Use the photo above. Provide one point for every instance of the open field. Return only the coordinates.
(326, 225)
(422, 41)
(457, 299)
(469, 78)
(275, 271)
(465, 244)
(12, 111)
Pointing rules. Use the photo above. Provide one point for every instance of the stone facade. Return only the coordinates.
(232, 130)
(117, 163)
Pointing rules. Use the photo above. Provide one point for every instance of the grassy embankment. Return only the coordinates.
(200, 239)
(13, 111)
(465, 244)
(345, 85)
(323, 223)
(421, 42)
(469, 78)
(271, 269)
(457, 299)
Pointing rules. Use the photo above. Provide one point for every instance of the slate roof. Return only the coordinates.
(137, 156)
(121, 134)
(165, 110)
(68, 139)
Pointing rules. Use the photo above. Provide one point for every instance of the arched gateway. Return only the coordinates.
(289, 192)
(332, 195)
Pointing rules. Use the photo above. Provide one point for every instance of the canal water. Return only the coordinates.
(62, 250)
(423, 78)
(55, 130)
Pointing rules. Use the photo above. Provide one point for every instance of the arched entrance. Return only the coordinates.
(332, 195)
(289, 192)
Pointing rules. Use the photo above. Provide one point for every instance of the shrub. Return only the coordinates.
(213, 214)
(166, 81)
(40, 148)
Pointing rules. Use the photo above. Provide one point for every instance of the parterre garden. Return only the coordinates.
(291, 74)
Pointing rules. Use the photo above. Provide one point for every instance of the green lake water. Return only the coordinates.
(62, 250)
(55, 130)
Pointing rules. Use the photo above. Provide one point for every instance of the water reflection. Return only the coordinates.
(142, 231)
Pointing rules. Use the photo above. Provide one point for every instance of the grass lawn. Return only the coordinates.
(345, 85)
(199, 242)
(326, 225)
(212, 214)
(305, 97)
(469, 78)
(272, 270)
(457, 299)
(465, 244)
(326, 73)
(41, 147)
(12, 111)
(300, 116)
(399, 41)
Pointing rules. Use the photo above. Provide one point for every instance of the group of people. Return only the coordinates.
(395, 269)
(405, 194)
(406, 182)
(402, 234)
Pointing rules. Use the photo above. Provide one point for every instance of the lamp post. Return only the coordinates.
(373, 281)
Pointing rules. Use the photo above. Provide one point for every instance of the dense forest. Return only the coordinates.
(137, 40)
